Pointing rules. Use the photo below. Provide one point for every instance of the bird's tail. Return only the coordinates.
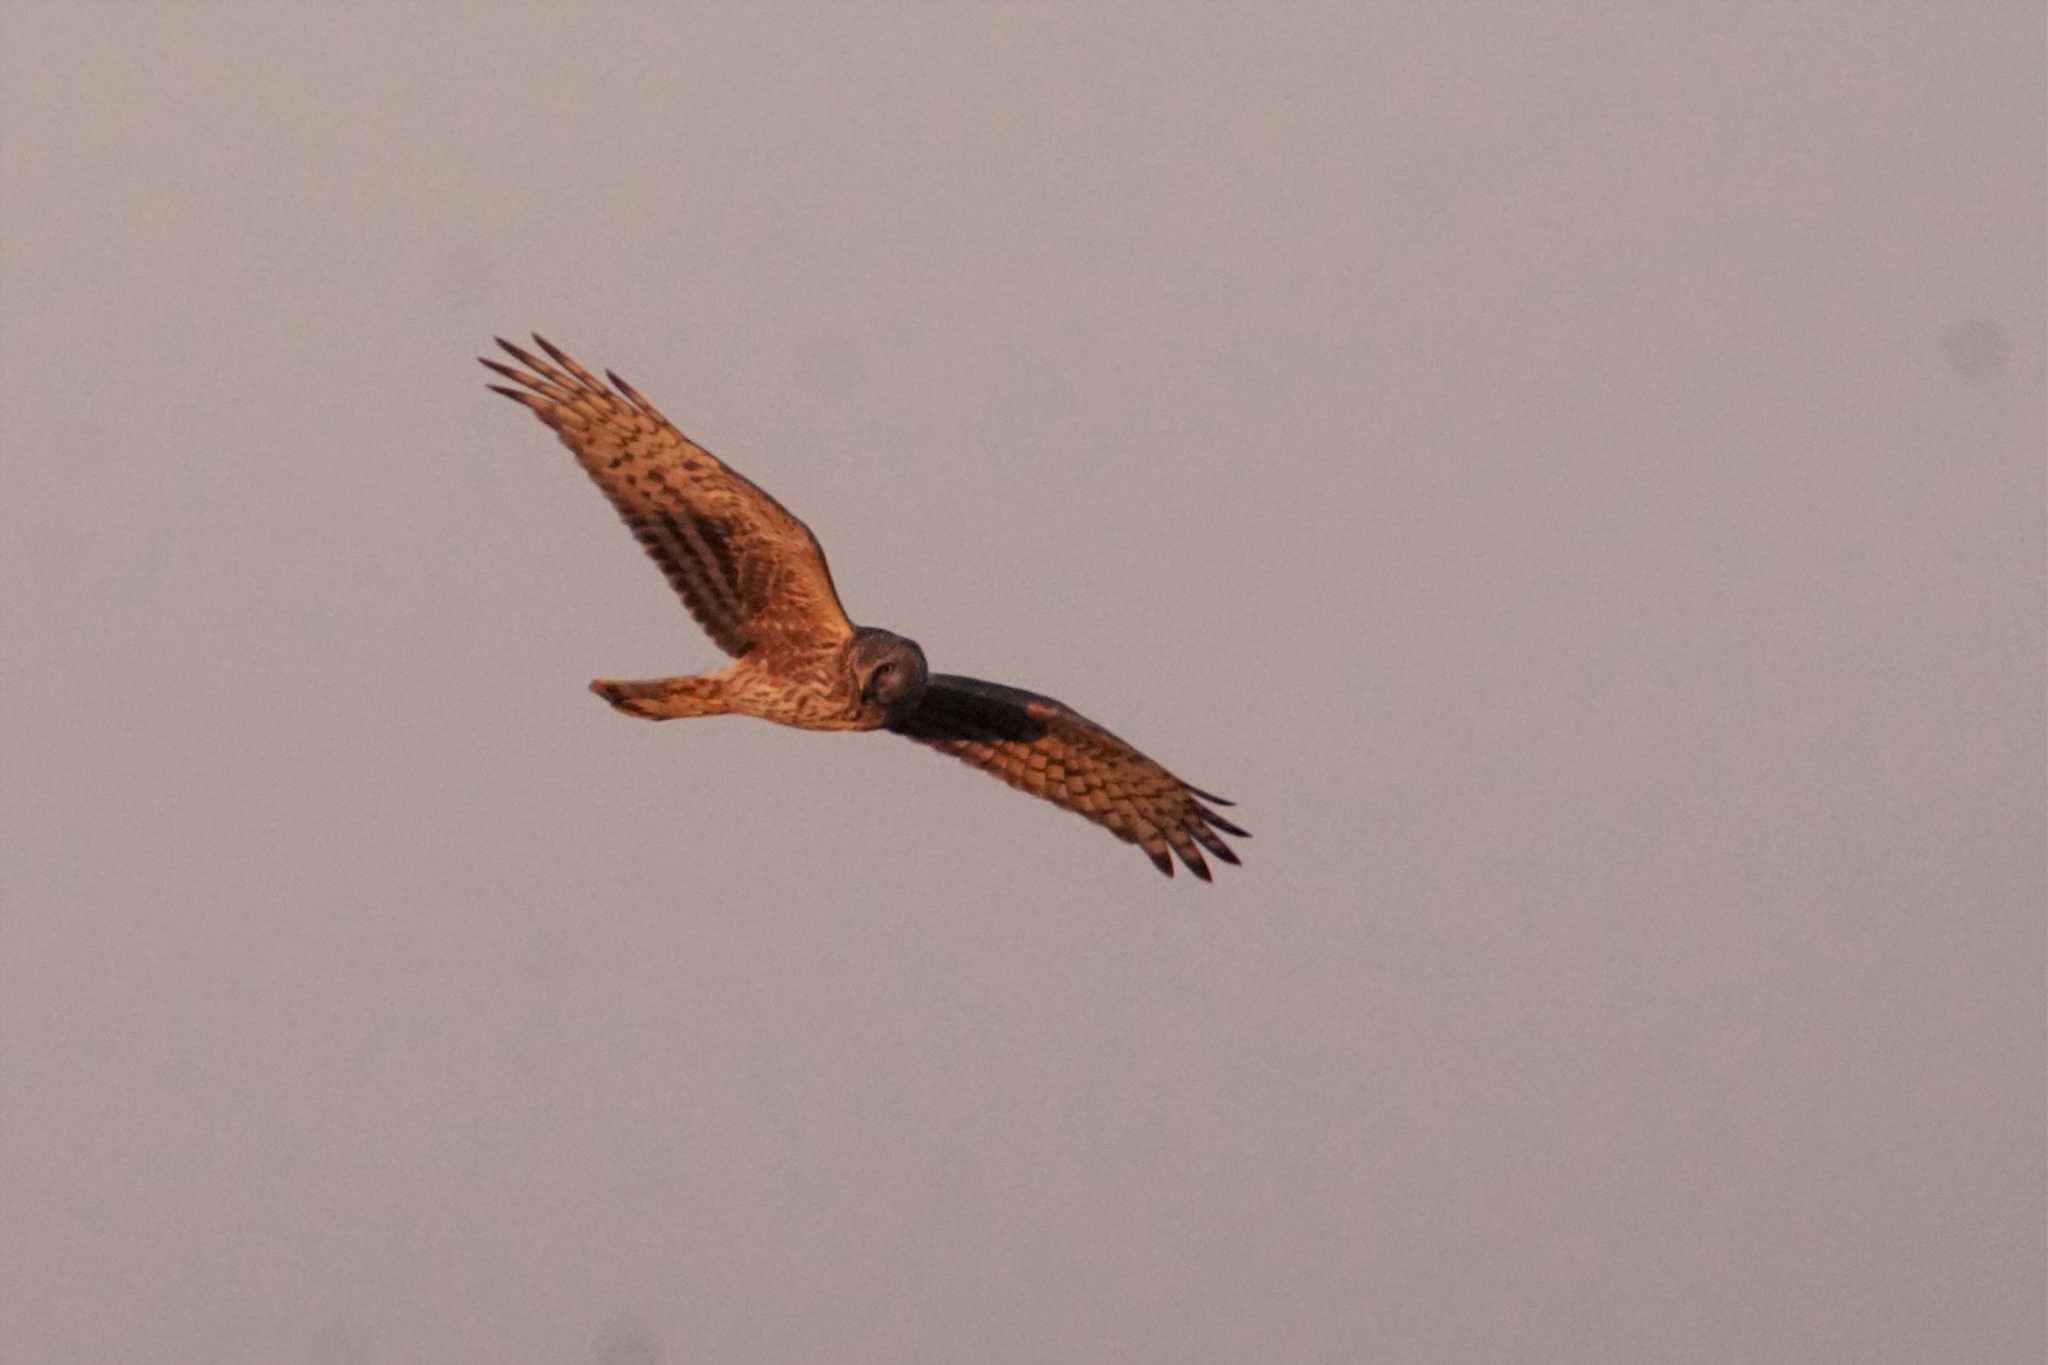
(665, 698)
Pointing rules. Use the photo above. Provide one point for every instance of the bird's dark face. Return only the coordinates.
(890, 668)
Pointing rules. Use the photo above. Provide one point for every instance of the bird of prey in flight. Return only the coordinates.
(754, 577)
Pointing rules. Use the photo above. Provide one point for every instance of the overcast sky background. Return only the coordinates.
(1573, 473)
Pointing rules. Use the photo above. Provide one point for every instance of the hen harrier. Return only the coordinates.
(755, 579)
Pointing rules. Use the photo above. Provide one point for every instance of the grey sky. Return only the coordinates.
(1574, 473)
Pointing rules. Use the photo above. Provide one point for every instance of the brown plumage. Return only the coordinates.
(755, 578)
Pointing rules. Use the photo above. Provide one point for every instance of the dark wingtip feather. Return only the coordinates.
(1208, 796)
(1193, 858)
(1161, 860)
(629, 393)
(500, 368)
(514, 394)
(1213, 818)
(1209, 839)
(519, 353)
(553, 352)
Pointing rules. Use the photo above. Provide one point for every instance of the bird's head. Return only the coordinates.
(890, 669)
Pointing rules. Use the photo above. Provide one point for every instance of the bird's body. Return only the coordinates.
(755, 578)
(810, 687)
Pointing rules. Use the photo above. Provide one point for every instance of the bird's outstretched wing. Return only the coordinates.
(1039, 746)
(747, 569)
